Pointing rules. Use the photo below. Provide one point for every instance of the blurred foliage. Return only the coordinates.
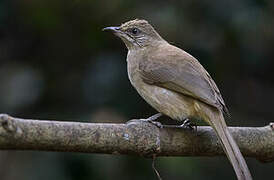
(56, 63)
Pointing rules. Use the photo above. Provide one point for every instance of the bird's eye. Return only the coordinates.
(135, 31)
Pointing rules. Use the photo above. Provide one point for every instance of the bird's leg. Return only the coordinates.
(154, 117)
(188, 124)
(152, 120)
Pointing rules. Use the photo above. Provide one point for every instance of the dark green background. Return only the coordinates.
(56, 63)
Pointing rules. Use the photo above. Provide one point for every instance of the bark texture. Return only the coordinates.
(135, 138)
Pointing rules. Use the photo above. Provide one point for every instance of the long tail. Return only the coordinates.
(216, 120)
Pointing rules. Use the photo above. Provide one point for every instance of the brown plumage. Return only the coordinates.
(176, 84)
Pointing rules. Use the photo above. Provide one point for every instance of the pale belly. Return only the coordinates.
(174, 105)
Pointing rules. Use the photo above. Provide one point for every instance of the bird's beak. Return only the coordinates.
(112, 29)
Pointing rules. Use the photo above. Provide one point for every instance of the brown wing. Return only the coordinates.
(184, 75)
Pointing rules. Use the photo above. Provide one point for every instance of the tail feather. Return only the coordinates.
(229, 145)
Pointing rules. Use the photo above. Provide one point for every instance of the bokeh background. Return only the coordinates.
(56, 63)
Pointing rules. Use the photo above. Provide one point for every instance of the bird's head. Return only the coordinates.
(136, 34)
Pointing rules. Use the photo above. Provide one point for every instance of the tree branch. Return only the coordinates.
(135, 137)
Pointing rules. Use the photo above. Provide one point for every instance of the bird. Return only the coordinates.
(174, 83)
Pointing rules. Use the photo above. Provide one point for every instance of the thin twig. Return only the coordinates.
(154, 168)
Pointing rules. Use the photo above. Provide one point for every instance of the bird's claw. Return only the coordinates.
(188, 124)
(156, 123)
(151, 120)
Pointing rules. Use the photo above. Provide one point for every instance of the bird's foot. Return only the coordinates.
(156, 123)
(154, 117)
(188, 124)
(151, 120)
